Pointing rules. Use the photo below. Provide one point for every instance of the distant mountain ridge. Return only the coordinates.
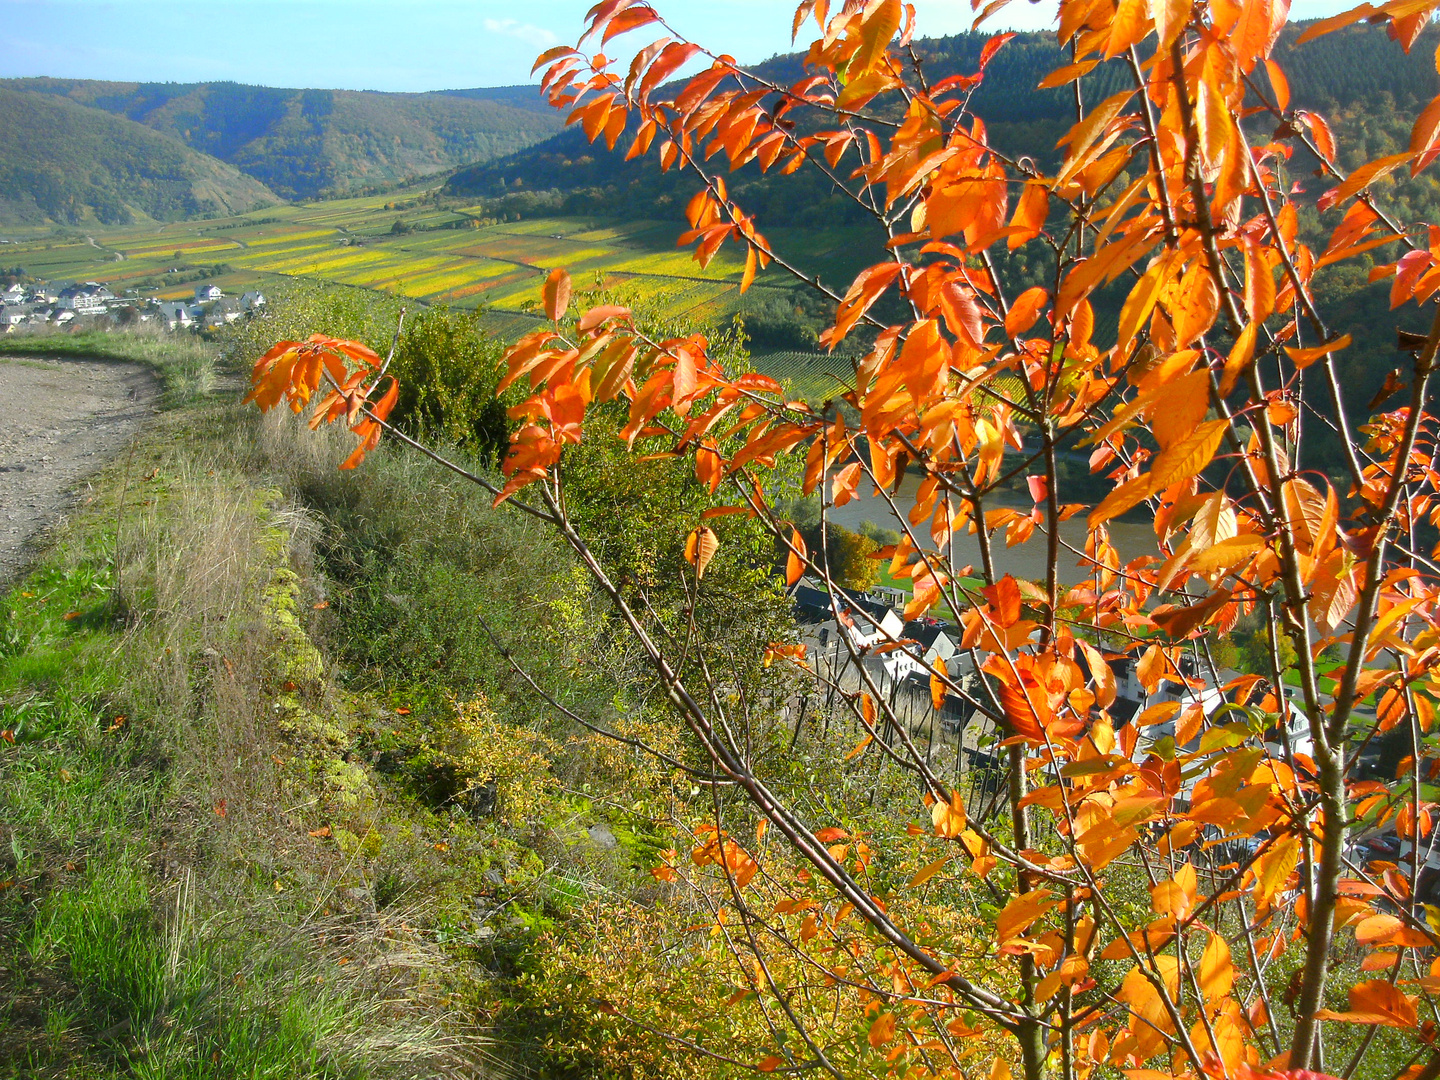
(1358, 73)
(310, 143)
(64, 162)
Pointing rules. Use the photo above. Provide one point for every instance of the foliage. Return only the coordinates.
(850, 558)
(488, 752)
(845, 553)
(1169, 893)
(448, 367)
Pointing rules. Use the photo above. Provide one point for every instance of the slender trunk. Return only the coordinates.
(1031, 1037)
(1318, 937)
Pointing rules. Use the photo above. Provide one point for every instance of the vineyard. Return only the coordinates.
(813, 376)
(433, 254)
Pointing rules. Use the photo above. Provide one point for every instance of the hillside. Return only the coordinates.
(307, 143)
(1357, 71)
(63, 162)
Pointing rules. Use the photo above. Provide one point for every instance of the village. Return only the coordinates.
(90, 304)
(861, 643)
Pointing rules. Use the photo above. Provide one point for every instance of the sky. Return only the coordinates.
(401, 45)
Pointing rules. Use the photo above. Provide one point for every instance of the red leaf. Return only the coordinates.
(629, 19)
(992, 47)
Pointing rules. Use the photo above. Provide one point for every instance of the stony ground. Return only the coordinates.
(60, 420)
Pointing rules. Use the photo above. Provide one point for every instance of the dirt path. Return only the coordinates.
(60, 420)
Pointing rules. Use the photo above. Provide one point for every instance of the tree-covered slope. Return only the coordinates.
(1358, 73)
(64, 162)
(304, 143)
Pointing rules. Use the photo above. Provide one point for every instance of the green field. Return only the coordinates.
(449, 256)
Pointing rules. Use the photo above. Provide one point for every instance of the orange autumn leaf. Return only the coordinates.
(556, 294)
(1376, 1002)
(700, 548)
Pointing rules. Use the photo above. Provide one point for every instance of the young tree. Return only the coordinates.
(1174, 211)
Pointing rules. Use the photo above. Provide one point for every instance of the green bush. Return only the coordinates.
(448, 367)
(446, 363)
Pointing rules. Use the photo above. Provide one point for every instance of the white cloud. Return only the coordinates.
(536, 36)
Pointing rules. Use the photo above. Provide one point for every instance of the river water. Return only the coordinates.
(1022, 561)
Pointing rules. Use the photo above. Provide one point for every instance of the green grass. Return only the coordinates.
(184, 363)
(161, 914)
(813, 376)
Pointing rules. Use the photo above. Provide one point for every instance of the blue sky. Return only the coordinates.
(385, 44)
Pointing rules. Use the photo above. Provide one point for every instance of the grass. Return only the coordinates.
(163, 911)
(234, 835)
(185, 364)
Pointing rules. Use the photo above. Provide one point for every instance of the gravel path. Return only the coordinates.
(60, 421)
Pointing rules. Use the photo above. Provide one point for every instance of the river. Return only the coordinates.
(1022, 561)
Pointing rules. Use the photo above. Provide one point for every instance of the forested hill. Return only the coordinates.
(1357, 74)
(66, 163)
(307, 143)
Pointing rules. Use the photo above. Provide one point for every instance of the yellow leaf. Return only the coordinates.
(949, 817)
(1303, 358)
(937, 685)
(1259, 287)
(1424, 137)
(1274, 867)
(1241, 353)
(795, 560)
(1029, 216)
(556, 293)
(700, 548)
(1129, 25)
(1141, 300)
(1179, 462)
(1083, 134)
(1217, 972)
(1020, 912)
(1170, 18)
(1179, 406)
(875, 33)
(928, 872)
(1376, 1002)
(1226, 554)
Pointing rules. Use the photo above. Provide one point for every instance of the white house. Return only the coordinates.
(205, 293)
(1293, 734)
(175, 313)
(15, 294)
(252, 301)
(86, 299)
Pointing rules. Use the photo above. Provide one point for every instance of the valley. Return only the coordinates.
(440, 252)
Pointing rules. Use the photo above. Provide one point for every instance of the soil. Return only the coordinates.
(60, 421)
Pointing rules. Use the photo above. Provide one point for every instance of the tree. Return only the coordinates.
(1144, 908)
(850, 553)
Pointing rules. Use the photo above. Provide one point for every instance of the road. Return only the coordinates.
(60, 421)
